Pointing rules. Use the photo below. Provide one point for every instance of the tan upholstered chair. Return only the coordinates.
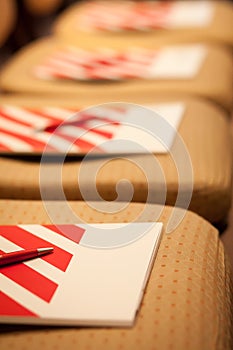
(215, 27)
(212, 81)
(187, 303)
(204, 130)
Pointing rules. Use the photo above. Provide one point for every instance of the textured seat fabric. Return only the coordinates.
(218, 29)
(204, 130)
(213, 80)
(187, 302)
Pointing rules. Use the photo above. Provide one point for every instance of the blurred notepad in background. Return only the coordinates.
(107, 128)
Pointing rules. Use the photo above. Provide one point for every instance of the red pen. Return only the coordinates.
(22, 255)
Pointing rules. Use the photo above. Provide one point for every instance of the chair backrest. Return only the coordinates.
(42, 7)
(8, 19)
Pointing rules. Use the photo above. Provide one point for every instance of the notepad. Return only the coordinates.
(107, 128)
(77, 64)
(96, 275)
(121, 16)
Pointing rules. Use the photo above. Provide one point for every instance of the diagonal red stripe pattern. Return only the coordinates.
(10, 307)
(26, 240)
(126, 16)
(72, 232)
(26, 276)
(31, 280)
(35, 137)
(27, 139)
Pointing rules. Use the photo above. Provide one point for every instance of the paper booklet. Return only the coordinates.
(96, 275)
(107, 128)
(122, 16)
(136, 63)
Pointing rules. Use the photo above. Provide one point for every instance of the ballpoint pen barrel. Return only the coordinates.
(22, 255)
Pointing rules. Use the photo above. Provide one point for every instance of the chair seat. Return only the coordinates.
(216, 29)
(204, 130)
(213, 80)
(187, 301)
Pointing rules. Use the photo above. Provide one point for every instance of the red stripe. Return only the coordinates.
(31, 280)
(79, 122)
(38, 145)
(100, 132)
(85, 116)
(13, 119)
(46, 115)
(72, 232)
(84, 146)
(9, 307)
(97, 130)
(26, 240)
(4, 147)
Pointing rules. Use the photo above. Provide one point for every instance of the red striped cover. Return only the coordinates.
(22, 129)
(125, 15)
(103, 64)
(27, 277)
(142, 16)
(89, 279)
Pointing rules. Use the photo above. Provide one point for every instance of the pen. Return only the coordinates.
(22, 255)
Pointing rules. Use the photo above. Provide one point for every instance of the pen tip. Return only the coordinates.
(45, 250)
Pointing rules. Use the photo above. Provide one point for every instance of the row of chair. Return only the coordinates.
(165, 56)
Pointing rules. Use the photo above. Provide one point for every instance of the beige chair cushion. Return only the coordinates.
(69, 27)
(204, 130)
(187, 303)
(213, 80)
